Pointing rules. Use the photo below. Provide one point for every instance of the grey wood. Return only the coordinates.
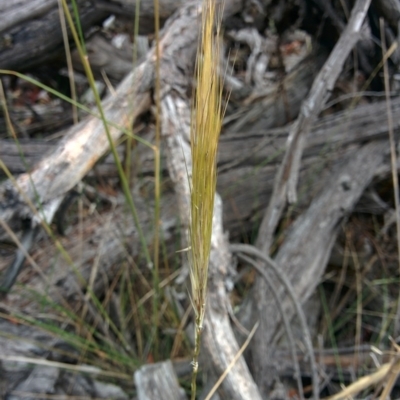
(248, 158)
(286, 181)
(158, 382)
(86, 142)
(31, 31)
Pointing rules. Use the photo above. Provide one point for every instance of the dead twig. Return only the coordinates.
(285, 319)
(287, 176)
(251, 250)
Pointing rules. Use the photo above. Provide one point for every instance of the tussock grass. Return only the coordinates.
(99, 337)
(205, 129)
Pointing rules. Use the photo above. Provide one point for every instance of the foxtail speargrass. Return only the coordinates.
(206, 123)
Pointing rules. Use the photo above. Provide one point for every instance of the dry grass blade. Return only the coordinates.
(366, 381)
(392, 375)
(87, 369)
(205, 129)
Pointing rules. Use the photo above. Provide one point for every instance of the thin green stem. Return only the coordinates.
(157, 177)
(124, 182)
(78, 25)
(331, 333)
(196, 352)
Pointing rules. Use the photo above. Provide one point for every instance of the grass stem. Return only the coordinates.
(195, 362)
(157, 176)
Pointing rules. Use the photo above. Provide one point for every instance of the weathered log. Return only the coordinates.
(285, 189)
(29, 370)
(85, 143)
(106, 58)
(127, 9)
(158, 381)
(248, 158)
(146, 7)
(390, 11)
(31, 31)
(332, 138)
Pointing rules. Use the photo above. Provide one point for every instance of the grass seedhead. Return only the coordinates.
(205, 129)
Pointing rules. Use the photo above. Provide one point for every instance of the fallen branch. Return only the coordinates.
(287, 177)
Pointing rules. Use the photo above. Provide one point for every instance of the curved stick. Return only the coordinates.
(251, 250)
(284, 318)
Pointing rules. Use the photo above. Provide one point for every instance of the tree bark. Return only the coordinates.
(31, 33)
